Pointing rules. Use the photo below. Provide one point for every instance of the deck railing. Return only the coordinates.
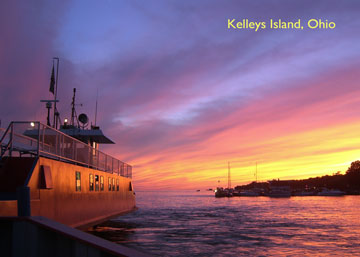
(37, 139)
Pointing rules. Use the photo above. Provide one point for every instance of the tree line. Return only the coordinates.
(348, 182)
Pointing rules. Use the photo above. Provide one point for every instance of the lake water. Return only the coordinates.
(198, 224)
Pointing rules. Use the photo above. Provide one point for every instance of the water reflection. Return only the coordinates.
(198, 224)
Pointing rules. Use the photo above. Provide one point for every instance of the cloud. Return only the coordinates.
(26, 49)
(180, 93)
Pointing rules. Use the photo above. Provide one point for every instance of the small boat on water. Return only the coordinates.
(221, 192)
(333, 192)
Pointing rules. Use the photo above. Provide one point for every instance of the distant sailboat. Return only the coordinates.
(227, 192)
(252, 191)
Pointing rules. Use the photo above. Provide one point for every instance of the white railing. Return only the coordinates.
(37, 139)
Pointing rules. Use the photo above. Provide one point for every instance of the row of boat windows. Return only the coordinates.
(96, 183)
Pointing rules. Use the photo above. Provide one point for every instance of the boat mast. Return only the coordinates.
(256, 173)
(56, 113)
(73, 110)
(229, 179)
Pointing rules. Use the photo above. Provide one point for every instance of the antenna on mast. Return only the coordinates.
(73, 111)
(74, 116)
(48, 107)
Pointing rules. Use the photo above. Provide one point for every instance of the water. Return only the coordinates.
(198, 224)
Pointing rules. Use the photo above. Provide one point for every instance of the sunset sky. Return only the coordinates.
(182, 95)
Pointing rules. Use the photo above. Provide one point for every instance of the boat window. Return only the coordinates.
(101, 183)
(46, 178)
(109, 184)
(113, 184)
(117, 184)
(77, 181)
(91, 182)
(96, 182)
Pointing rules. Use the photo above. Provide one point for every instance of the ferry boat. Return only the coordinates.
(61, 174)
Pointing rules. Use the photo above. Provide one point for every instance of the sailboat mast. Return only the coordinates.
(229, 179)
(256, 173)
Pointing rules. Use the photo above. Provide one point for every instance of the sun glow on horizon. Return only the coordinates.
(294, 156)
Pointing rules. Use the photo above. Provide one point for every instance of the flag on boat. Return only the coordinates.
(52, 81)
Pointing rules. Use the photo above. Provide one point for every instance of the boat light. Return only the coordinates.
(65, 121)
(32, 124)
